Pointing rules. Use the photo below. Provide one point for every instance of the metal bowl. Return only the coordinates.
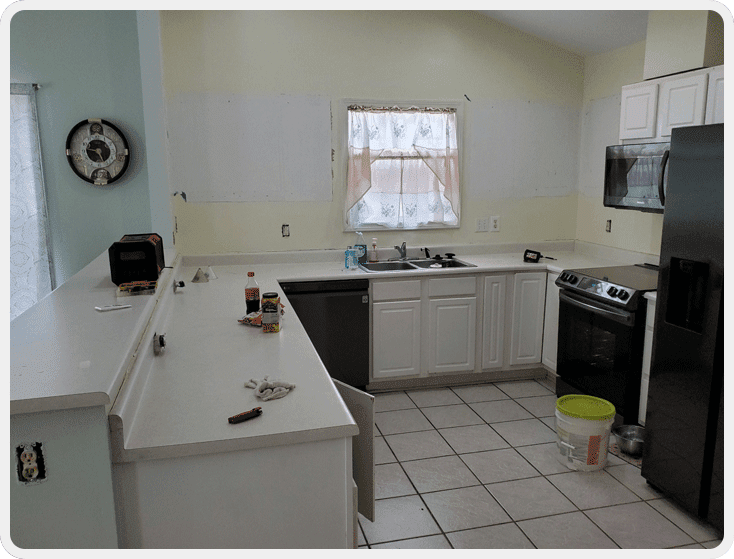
(630, 439)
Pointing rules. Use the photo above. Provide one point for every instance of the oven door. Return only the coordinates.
(599, 352)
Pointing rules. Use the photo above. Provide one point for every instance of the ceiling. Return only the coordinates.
(583, 32)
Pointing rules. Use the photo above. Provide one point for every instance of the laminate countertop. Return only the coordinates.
(65, 354)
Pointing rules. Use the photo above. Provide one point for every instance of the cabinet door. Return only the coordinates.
(528, 307)
(682, 103)
(362, 407)
(396, 338)
(639, 110)
(493, 322)
(452, 327)
(715, 97)
(550, 324)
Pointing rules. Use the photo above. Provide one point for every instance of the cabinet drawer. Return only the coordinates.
(389, 290)
(444, 287)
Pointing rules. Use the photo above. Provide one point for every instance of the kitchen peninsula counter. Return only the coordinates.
(198, 381)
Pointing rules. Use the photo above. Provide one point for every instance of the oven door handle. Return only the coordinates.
(604, 310)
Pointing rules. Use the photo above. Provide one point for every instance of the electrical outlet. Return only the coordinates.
(286, 230)
(30, 463)
(494, 223)
(609, 226)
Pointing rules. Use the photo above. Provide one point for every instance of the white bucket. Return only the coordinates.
(582, 443)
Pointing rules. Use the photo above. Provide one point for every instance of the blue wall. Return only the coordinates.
(88, 65)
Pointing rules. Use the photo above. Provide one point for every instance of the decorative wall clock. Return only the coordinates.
(97, 151)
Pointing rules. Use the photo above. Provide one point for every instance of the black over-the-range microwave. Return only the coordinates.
(636, 177)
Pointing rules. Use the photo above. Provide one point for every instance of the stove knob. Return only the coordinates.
(623, 295)
(564, 276)
(612, 291)
(572, 279)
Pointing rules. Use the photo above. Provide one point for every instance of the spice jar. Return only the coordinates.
(271, 312)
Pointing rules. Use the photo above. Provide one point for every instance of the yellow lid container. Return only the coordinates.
(585, 407)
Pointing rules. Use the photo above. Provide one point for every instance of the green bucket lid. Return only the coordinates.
(585, 407)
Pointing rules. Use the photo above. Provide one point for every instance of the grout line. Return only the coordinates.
(485, 485)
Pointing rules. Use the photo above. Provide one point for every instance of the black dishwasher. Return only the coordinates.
(335, 315)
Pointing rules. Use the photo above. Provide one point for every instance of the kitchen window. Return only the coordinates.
(402, 168)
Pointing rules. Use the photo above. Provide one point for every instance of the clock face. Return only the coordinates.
(97, 151)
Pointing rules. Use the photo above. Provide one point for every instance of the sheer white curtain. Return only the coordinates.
(403, 168)
(30, 270)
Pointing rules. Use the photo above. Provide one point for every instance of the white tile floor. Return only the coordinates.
(475, 467)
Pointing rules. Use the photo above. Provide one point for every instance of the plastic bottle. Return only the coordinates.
(350, 259)
(252, 294)
(373, 252)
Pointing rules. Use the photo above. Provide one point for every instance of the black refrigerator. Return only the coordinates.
(684, 427)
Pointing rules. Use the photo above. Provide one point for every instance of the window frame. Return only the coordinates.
(343, 126)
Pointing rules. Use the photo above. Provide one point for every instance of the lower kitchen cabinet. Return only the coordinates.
(396, 339)
(493, 322)
(528, 308)
(452, 334)
(550, 325)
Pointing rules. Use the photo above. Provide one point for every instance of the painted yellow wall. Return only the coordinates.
(423, 55)
(604, 76)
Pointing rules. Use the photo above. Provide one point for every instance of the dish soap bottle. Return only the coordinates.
(252, 294)
(373, 252)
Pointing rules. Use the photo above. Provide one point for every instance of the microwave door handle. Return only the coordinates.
(620, 316)
(661, 180)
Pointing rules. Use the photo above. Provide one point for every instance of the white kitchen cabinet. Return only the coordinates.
(651, 109)
(682, 102)
(493, 322)
(550, 324)
(638, 115)
(528, 308)
(646, 361)
(715, 97)
(396, 339)
(452, 334)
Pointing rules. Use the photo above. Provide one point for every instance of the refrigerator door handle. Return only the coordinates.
(661, 179)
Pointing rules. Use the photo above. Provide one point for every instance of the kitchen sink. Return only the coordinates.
(401, 265)
(449, 263)
(386, 266)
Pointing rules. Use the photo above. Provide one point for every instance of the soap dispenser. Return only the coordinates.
(373, 252)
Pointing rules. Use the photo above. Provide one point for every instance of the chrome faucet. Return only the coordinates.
(401, 249)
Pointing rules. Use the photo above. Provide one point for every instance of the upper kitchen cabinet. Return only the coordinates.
(715, 97)
(650, 110)
(682, 103)
(639, 111)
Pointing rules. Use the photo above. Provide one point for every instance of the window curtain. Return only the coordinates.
(30, 269)
(403, 167)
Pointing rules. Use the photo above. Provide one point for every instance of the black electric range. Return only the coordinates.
(601, 333)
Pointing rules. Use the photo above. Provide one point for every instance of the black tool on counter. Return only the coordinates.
(245, 415)
(534, 256)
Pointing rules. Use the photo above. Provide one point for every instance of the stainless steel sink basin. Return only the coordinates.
(449, 263)
(386, 266)
(401, 265)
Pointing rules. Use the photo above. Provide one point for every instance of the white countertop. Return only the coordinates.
(65, 354)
